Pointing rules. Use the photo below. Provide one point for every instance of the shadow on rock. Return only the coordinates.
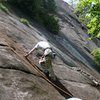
(64, 92)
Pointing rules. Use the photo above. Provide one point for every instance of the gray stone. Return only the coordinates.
(73, 65)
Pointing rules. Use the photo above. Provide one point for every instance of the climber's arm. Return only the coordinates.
(33, 49)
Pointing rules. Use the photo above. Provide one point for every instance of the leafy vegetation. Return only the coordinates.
(89, 12)
(49, 5)
(3, 7)
(96, 54)
(24, 21)
(42, 11)
(51, 24)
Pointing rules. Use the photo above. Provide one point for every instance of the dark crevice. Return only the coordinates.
(17, 69)
(59, 84)
(3, 45)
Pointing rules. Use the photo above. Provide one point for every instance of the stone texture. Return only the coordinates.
(18, 81)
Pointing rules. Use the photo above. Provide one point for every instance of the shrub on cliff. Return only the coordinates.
(24, 21)
(51, 24)
(96, 55)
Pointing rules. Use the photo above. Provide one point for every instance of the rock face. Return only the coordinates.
(73, 65)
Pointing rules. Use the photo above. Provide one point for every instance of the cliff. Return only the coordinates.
(73, 66)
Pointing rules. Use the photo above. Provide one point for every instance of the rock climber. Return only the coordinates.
(44, 49)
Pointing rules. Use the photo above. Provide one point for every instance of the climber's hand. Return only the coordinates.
(26, 55)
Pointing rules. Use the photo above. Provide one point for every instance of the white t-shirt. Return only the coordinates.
(41, 46)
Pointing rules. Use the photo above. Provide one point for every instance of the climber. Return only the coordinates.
(44, 49)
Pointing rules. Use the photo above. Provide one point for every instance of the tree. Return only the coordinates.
(49, 5)
(42, 11)
(89, 12)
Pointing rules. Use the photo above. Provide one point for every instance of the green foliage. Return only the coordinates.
(3, 7)
(94, 27)
(89, 12)
(52, 24)
(96, 55)
(24, 21)
(49, 5)
(41, 11)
